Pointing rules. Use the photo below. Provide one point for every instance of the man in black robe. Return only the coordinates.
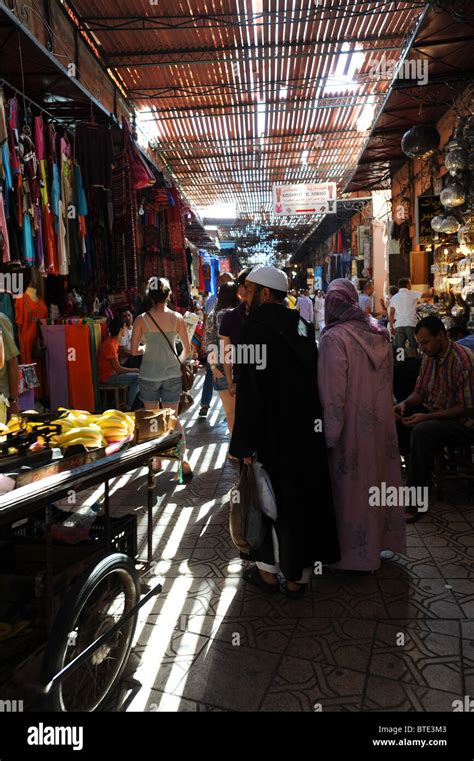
(278, 421)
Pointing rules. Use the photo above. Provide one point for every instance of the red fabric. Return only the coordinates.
(79, 368)
(27, 314)
(202, 285)
(142, 176)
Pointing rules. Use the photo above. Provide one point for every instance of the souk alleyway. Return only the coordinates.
(399, 640)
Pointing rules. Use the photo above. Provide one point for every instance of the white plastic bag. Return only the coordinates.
(265, 490)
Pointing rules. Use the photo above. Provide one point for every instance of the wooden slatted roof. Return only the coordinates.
(241, 94)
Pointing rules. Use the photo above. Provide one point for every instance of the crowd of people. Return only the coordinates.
(316, 390)
(347, 381)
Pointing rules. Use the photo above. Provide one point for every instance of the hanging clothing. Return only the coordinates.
(54, 337)
(62, 242)
(93, 151)
(202, 285)
(28, 246)
(4, 239)
(6, 307)
(81, 389)
(94, 364)
(27, 315)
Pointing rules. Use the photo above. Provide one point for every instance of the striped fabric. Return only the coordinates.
(448, 380)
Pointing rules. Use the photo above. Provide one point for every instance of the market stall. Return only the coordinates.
(72, 590)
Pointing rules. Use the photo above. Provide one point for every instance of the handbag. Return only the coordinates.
(185, 402)
(187, 375)
(246, 522)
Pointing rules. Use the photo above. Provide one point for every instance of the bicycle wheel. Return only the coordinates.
(95, 603)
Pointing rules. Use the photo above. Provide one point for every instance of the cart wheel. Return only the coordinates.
(95, 603)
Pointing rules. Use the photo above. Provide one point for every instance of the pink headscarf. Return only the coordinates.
(342, 305)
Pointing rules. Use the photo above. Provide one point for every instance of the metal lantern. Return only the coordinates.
(436, 223)
(453, 195)
(420, 141)
(457, 157)
(449, 225)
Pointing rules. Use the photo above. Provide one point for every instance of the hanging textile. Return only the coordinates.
(93, 151)
(54, 337)
(141, 175)
(81, 389)
(27, 315)
(124, 242)
(202, 285)
(4, 239)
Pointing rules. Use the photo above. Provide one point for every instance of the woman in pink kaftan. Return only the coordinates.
(355, 386)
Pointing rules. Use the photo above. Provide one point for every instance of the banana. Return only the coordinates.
(113, 424)
(82, 433)
(115, 413)
(116, 432)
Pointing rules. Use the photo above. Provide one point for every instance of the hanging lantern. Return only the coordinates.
(449, 225)
(457, 150)
(436, 223)
(453, 195)
(420, 141)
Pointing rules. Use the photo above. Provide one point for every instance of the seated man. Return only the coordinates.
(439, 412)
(110, 370)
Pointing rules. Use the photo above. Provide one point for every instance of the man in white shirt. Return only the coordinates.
(403, 317)
(304, 305)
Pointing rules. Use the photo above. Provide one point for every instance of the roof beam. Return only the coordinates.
(344, 101)
(198, 55)
(234, 19)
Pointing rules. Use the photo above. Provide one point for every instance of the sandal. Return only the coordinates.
(187, 474)
(252, 576)
(295, 594)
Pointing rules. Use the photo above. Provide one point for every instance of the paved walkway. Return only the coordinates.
(400, 640)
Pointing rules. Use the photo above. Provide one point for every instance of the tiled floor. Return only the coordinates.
(400, 640)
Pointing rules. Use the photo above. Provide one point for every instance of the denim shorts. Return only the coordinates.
(167, 391)
(220, 384)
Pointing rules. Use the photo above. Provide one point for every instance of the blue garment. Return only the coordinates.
(81, 202)
(208, 387)
(126, 379)
(28, 247)
(8, 178)
(210, 304)
(468, 342)
(207, 273)
(215, 268)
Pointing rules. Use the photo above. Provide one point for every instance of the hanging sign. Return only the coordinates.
(427, 208)
(305, 198)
